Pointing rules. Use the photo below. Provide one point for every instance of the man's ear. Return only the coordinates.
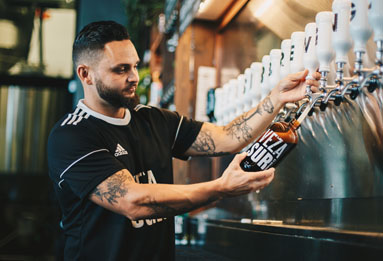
(84, 74)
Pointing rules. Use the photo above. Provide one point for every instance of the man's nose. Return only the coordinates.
(133, 77)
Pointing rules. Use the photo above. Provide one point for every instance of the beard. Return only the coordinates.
(114, 97)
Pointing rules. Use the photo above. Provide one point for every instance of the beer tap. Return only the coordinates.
(265, 76)
(247, 99)
(324, 21)
(256, 76)
(296, 54)
(290, 108)
(285, 59)
(325, 53)
(307, 107)
(341, 39)
(275, 67)
(360, 32)
(310, 60)
(375, 17)
(240, 95)
(274, 73)
(342, 43)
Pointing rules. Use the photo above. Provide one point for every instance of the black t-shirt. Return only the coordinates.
(84, 148)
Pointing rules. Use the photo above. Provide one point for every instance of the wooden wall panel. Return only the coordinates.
(195, 48)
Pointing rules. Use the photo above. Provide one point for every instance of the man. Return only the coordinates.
(111, 159)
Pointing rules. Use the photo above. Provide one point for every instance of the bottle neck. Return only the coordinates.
(295, 124)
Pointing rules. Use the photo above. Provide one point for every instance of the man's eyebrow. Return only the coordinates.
(125, 64)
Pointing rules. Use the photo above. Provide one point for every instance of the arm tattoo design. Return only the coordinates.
(205, 143)
(239, 128)
(268, 105)
(115, 187)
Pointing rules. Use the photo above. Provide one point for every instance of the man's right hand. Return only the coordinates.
(235, 181)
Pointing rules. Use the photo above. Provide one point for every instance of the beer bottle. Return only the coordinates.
(273, 145)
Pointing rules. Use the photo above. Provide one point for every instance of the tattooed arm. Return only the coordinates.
(119, 193)
(219, 140)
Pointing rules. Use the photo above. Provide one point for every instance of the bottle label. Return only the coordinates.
(266, 151)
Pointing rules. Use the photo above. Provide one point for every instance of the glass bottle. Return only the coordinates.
(272, 146)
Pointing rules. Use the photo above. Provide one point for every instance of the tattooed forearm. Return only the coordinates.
(257, 111)
(239, 128)
(115, 187)
(163, 209)
(205, 143)
(268, 105)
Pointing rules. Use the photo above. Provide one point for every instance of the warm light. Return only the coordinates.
(263, 8)
(8, 31)
(202, 5)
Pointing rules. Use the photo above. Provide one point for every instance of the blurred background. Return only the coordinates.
(331, 200)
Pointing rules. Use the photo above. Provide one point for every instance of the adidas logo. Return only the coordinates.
(120, 151)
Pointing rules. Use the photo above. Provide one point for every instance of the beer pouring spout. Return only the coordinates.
(329, 95)
(301, 108)
(371, 81)
(313, 100)
(290, 108)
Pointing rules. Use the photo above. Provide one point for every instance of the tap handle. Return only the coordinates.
(359, 27)
(285, 59)
(310, 60)
(324, 21)
(341, 38)
(265, 76)
(275, 67)
(256, 72)
(248, 82)
(296, 54)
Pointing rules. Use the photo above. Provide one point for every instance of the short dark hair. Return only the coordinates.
(94, 36)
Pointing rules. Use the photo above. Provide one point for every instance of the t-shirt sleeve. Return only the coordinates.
(183, 133)
(78, 159)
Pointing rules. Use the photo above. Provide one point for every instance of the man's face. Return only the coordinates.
(116, 75)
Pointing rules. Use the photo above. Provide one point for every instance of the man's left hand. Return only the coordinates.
(293, 87)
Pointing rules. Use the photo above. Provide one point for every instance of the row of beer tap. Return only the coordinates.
(350, 24)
